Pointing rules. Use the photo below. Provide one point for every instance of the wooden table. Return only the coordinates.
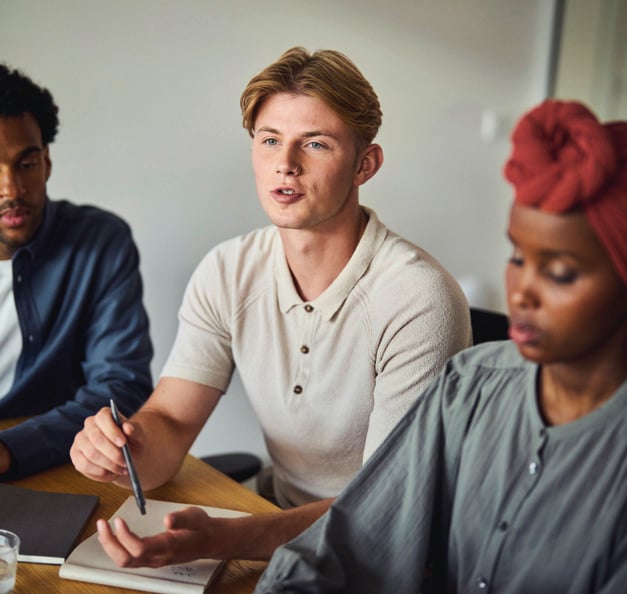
(195, 483)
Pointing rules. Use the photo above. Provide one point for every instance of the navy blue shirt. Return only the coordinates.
(85, 339)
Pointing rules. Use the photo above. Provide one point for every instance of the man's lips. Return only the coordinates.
(14, 217)
(285, 194)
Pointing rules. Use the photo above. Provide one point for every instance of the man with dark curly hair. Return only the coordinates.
(73, 329)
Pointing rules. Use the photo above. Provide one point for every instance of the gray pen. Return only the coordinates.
(137, 488)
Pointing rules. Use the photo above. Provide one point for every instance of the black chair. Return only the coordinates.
(488, 325)
(239, 466)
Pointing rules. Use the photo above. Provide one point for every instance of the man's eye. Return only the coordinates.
(28, 164)
(316, 145)
(270, 141)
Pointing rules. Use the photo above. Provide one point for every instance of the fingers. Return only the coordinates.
(112, 545)
(126, 549)
(174, 545)
(190, 518)
(96, 449)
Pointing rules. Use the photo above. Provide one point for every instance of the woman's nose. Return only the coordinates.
(522, 288)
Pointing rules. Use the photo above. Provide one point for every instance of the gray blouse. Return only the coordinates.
(474, 486)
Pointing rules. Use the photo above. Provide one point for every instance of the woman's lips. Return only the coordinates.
(524, 334)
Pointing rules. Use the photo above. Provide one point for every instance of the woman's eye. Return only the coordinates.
(563, 277)
(516, 259)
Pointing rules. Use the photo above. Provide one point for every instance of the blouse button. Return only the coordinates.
(298, 389)
(309, 308)
(533, 468)
(482, 584)
(19, 278)
(304, 349)
(31, 338)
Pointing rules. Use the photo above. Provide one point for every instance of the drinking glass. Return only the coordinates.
(9, 547)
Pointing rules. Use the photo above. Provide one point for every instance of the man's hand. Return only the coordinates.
(159, 434)
(189, 534)
(192, 534)
(96, 449)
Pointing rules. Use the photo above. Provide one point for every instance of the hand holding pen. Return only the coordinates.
(126, 452)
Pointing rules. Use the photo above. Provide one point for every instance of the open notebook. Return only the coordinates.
(89, 563)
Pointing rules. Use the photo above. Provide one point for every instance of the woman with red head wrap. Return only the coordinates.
(509, 474)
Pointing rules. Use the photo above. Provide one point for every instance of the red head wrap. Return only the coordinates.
(563, 159)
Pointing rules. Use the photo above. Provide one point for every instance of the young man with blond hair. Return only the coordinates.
(331, 319)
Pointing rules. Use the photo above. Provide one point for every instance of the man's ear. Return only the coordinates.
(47, 162)
(370, 162)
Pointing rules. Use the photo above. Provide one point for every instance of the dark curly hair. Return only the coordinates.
(20, 95)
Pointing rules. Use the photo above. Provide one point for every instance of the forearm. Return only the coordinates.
(43, 440)
(256, 537)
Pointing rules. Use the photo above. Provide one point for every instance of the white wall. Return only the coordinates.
(592, 64)
(149, 98)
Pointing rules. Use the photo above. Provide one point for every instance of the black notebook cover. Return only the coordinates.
(48, 524)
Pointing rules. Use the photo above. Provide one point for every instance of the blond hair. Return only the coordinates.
(326, 74)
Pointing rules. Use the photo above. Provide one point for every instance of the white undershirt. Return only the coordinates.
(10, 335)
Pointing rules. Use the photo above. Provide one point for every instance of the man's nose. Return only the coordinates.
(10, 183)
(288, 163)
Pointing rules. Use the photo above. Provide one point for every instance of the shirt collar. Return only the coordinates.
(330, 301)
